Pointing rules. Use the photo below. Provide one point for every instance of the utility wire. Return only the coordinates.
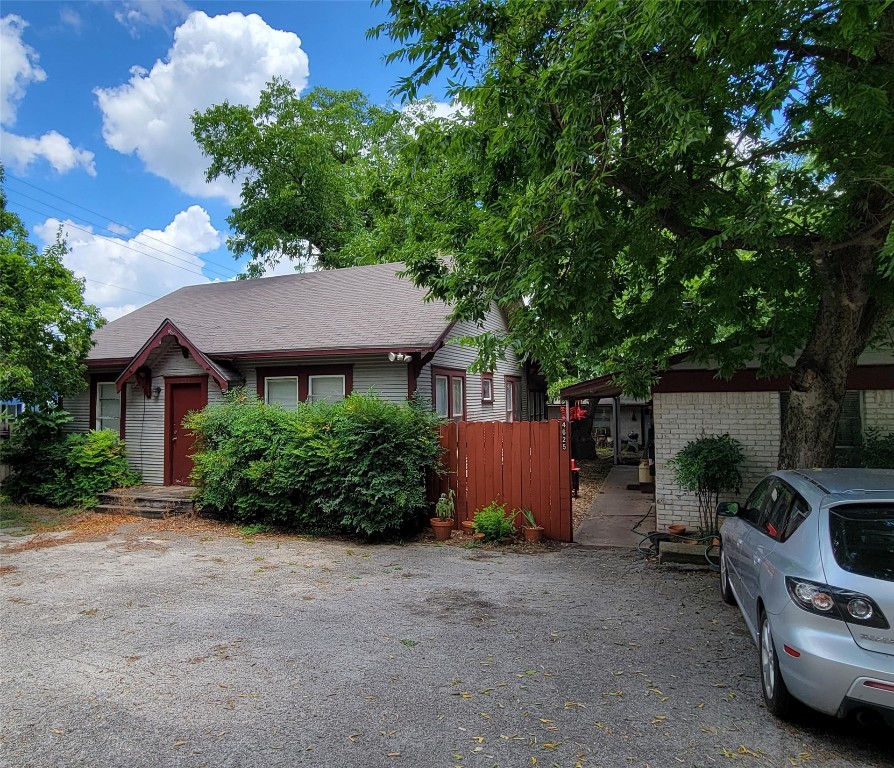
(231, 273)
(112, 221)
(118, 243)
(120, 288)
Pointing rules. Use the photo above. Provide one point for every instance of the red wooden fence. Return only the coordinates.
(525, 464)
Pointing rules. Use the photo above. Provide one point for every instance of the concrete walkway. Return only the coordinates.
(616, 511)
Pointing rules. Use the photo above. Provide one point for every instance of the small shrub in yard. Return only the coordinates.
(493, 522)
(355, 466)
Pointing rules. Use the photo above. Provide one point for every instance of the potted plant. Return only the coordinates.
(530, 529)
(493, 522)
(442, 523)
(708, 467)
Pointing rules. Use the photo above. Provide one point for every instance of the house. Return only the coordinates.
(312, 336)
(689, 399)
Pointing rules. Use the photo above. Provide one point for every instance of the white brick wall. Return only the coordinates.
(878, 409)
(752, 418)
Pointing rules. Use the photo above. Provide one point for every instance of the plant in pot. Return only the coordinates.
(442, 523)
(530, 529)
(709, 466)
(493, 522)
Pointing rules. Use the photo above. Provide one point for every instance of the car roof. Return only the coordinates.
(842, 481)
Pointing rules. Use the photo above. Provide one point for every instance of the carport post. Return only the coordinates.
(616, 428)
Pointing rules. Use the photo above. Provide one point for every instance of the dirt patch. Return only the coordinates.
(4, 569)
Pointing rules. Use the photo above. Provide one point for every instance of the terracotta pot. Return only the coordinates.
(478, 536)
(676, 530)
(468, 526)
(533, 534)
(442, 528)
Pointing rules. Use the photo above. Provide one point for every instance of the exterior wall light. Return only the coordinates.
(398, 357)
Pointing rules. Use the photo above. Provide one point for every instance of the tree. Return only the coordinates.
(656, 177)
(45, 325)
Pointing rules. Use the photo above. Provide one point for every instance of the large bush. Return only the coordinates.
(49, 467)
(356, 466)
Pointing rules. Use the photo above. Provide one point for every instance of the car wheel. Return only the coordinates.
(726, 591)
(776, 696)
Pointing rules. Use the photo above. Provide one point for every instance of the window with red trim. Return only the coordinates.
(487, 387)
(290, 385)
(449, 393)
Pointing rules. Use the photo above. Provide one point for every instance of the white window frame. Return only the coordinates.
(296, 379)
(310, 384)
(100, 419)
(487, 388)
(442, 408)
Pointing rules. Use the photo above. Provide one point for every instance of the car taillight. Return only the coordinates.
(836, 603)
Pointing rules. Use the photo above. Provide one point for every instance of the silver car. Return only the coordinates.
(809, 558)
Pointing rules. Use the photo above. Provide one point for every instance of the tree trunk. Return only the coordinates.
(847, 318)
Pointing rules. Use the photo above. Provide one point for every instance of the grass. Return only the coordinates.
(33, 518)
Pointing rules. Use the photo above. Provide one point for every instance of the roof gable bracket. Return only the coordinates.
(138, 361)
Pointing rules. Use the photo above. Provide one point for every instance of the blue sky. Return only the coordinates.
(95, 132)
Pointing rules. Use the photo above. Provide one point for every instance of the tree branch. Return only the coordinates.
(810, 51)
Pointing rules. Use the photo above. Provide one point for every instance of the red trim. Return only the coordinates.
(302, 372)
(167, 328)
(107, 362)
(487, 377)
(105, 378)
(170, 382)
(862, 377)
(338, 352)
(450, 373)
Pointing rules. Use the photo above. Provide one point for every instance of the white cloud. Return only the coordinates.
(18, 152)
(18, 67)
(148, 264)
(224, 58)
(71, 19)
(136, 14)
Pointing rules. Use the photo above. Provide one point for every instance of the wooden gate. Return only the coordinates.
(525, 464)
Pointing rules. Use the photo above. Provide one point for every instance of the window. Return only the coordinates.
(282, 390)
(757, 501)
(850, 426)
(290, 385)
(487, 387)
(108, 407)
(328, 388)
(512, 399)
(863, 539)
(781, 498)
(449, 393)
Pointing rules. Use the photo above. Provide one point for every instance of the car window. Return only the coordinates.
(773, 520)
(863, 539)
(754, 505)
(799, 512)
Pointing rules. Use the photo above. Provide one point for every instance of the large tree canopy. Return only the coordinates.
(654, 177)
(45, 325)
(321, 176)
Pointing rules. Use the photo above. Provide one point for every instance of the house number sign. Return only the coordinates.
(564, 435)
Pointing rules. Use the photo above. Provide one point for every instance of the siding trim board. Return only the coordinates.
(862, 377)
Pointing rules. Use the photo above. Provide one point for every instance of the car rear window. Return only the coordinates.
(863, 539)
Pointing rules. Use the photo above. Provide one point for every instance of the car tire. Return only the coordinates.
(779, 701)
(726, 590)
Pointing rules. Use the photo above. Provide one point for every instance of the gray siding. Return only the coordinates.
(79, 407)
(452, 355)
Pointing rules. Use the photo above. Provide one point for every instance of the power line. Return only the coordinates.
(121, 288)
(117, 243)
(227, 275)
(111, 221)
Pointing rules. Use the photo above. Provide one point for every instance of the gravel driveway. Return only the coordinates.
(165, 649)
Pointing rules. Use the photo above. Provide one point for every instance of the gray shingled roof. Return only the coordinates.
(356, 308)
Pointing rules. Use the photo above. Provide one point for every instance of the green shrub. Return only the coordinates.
(94, 462)
(356, 466)
(493, 522)
(875, 451)
(33, 452)
(48, 467)
(709, 466)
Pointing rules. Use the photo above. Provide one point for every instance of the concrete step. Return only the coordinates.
(685, 554)
(151, 502)
(154, 512)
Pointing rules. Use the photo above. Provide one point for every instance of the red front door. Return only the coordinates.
(181, 397)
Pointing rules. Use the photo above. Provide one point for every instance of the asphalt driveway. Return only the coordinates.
(170, 649)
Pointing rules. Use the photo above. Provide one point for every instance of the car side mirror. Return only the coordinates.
(728, 509)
